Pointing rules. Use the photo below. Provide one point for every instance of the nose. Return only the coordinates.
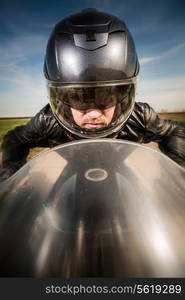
(93, 113)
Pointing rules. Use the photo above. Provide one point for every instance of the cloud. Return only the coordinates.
(163, 55)
(23, 90)
(173, 83)
(164, 93)
(165, 100)
(23, 95)
(146, 60)
(22, 84)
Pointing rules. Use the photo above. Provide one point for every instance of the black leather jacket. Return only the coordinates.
(143, 126)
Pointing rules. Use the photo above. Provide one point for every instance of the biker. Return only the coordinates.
(91, 67)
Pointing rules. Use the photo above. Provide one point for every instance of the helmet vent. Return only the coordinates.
(90, 36)
(96, 40)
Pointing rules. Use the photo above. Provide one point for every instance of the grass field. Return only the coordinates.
(178, 117)
(8, 124)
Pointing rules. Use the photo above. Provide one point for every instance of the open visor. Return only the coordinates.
(65, 98)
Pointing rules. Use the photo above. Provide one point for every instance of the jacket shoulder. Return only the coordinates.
(46, 118)
(46, 110)
(142, 108)
(143, 113)
(137, 116)
(37, 129)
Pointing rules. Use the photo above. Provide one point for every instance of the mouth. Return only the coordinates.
(94, 125)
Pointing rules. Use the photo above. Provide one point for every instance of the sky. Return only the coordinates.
(157, 27)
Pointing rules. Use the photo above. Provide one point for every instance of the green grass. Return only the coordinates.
(8, 124)
(182, 123)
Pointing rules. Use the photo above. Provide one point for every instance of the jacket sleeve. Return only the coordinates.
(17, 142)
(169, 135)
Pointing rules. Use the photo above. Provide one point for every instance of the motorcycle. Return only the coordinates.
(94, 208)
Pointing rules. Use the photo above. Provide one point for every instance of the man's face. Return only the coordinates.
(93, 118)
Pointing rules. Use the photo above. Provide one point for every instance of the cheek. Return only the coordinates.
(77, 116)
(109, 112)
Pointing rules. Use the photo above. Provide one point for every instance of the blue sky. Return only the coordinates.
(158, 29)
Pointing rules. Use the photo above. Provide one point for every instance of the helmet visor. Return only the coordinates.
(64, 100)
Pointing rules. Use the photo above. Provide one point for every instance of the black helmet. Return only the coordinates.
(91, 62)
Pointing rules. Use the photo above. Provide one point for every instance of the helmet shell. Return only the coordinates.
(90, 46)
